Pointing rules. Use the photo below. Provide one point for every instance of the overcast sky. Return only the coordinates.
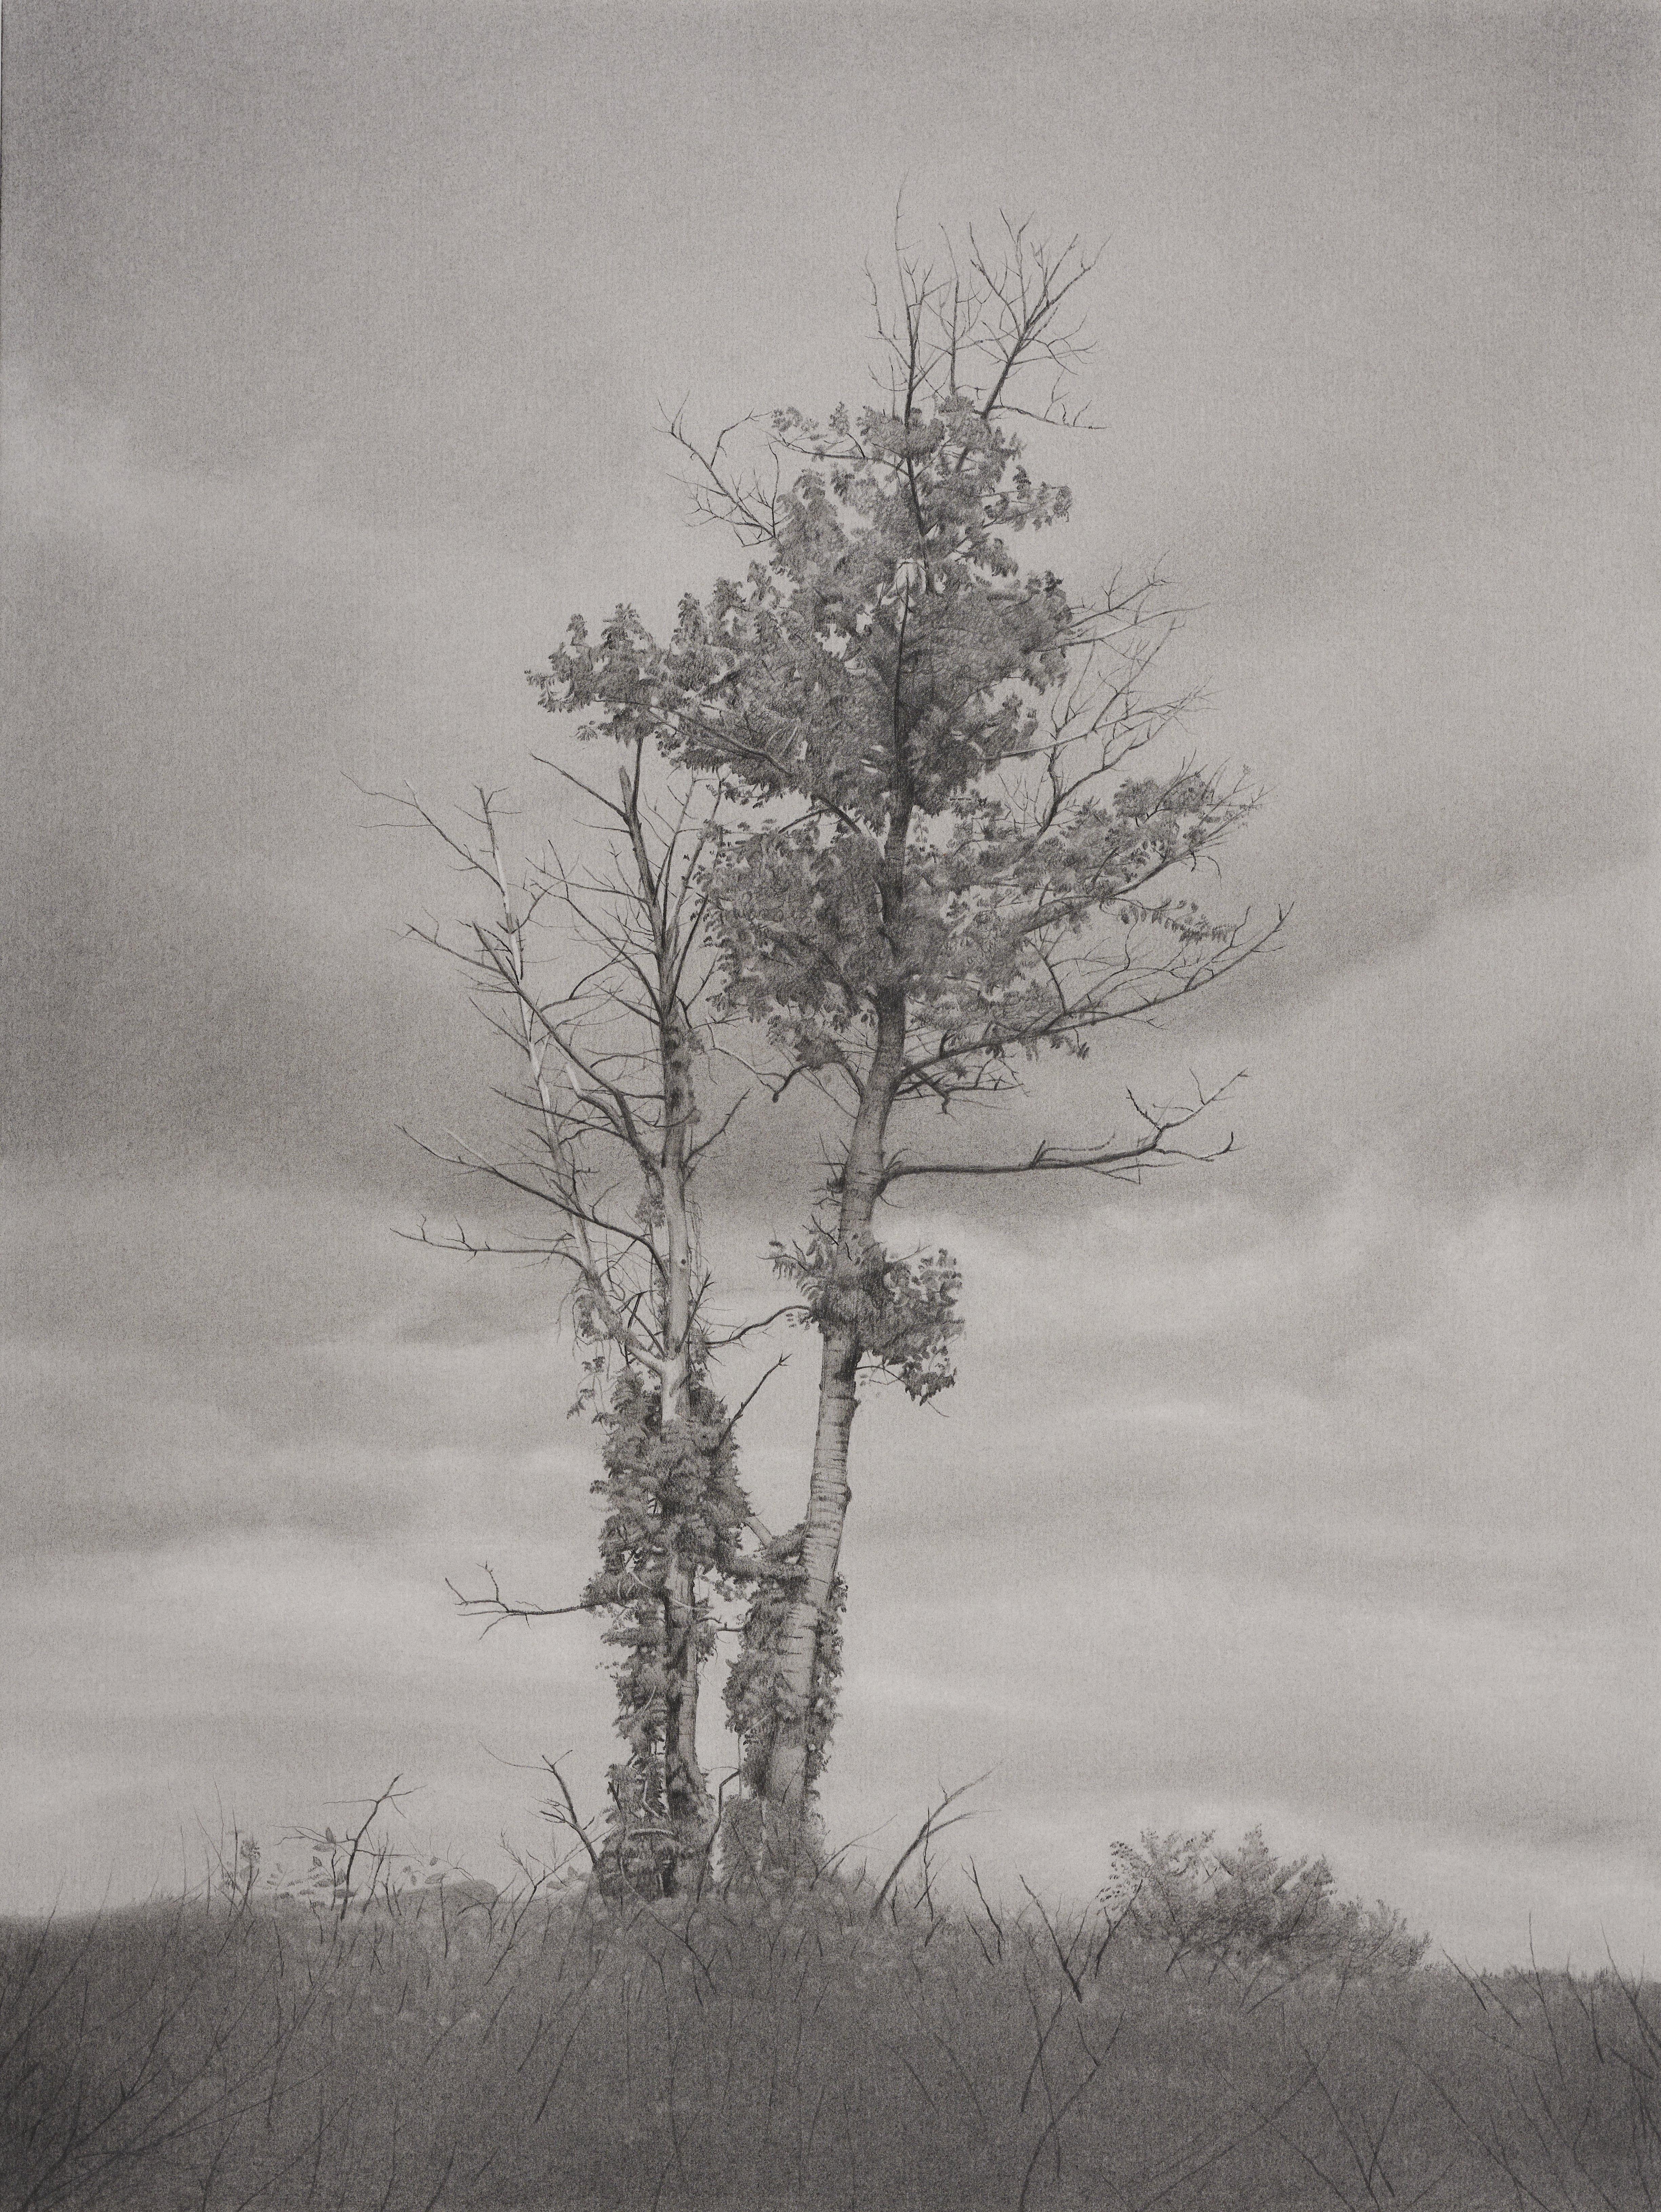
(1316, 1488)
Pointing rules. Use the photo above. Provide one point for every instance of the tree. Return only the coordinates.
(940, 864)
(607, 1105)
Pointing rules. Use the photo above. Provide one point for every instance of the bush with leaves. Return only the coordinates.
(1247, 1908)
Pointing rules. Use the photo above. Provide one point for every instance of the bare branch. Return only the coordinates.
(933, 1826)
(567, 1816)
(492, 1608)
(1112, 1157)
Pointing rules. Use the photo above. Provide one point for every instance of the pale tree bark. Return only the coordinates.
(791, 1759)
(613, 1098)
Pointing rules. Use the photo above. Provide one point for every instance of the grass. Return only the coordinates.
(404, 2049)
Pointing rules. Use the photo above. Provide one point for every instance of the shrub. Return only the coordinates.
(1248, 1909)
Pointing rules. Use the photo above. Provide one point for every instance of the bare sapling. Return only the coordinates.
(598, 977)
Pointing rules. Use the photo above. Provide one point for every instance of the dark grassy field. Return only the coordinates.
(770, 2047)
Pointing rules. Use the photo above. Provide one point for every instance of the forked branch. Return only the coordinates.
(1115, 1157)
(492, 1608)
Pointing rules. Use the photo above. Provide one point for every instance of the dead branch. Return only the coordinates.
(933, 1826)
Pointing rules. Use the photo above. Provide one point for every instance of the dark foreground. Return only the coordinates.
(450, 2047)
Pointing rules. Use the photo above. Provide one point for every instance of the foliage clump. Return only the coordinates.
(1246, 1908)
(902, 1307)
(758, 1699)
(674, 1517)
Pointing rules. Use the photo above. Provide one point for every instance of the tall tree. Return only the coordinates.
(607, 1028)
(942, 863)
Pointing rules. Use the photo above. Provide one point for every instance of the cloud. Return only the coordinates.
(1505, 1046)
(1231, 1516)
(1376, 413)
(267, 1679)
(204, 1355)
(1306, 1488)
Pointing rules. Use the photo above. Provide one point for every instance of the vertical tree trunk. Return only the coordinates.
(686, 1795)
(685, 1790)
(796, 1669)
(791, 1762)
(789, 1775)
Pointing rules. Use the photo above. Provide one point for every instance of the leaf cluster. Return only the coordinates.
(902, 1310)
(673, 1501)
(925, 747)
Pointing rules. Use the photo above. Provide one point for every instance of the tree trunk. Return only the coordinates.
(792, 1756)
(791, 1761)
(686, 1795)
(686, 1792)
(788, 1780)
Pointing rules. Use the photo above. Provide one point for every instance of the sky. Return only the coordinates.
(1313, 1489)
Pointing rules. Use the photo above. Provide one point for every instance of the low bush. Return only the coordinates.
(1276, 1918)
